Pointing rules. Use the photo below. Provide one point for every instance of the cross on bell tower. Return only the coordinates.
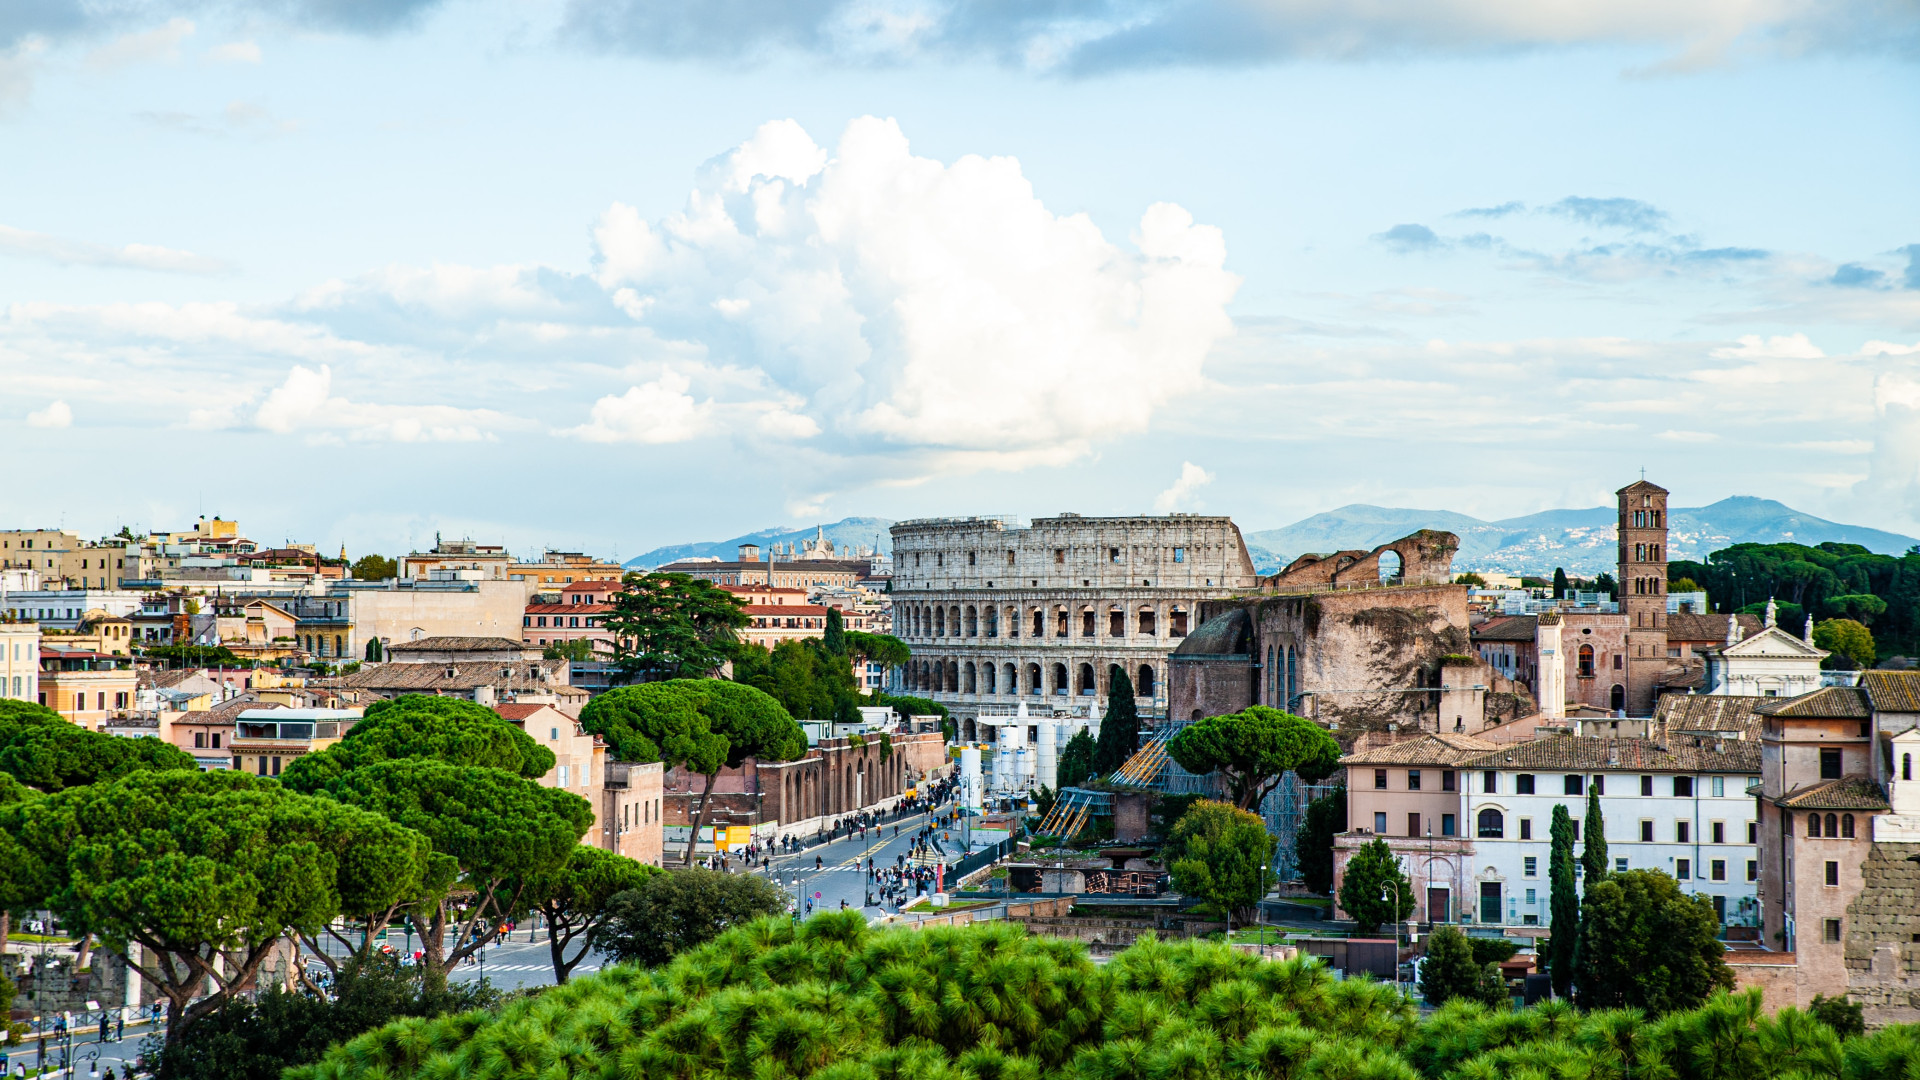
(1643, 593)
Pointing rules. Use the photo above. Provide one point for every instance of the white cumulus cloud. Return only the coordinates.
(910, 302)
(1180, 495)
(657, 412)
(55, 415)
(55, 249)
(305, 402)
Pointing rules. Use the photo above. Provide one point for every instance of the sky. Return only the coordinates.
(608, 274)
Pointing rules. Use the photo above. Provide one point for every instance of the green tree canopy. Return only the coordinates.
(1450, 970)
(1564, 902)
(883, 649)
(1221, 854)
(1647, 945)
(1119, 727)
(492, 832)
(1593, 856)
(261, 1038)
(834, 999)
(375, 568)
(701, 725)
(184, 656)
(672, 626)
(1470, 578)
(574, 900)
(835, 637)
(1860, 607)
(1375, 890)
(1325, 819)
(577, 651)
(44, 750)
(444, 729)
(1253, 749)
(670, 913)
(807, 680)
(1076, 759)
(190, 864)
(1844, 637)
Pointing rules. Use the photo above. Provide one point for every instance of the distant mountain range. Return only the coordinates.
(847, 534)
(1581, 541)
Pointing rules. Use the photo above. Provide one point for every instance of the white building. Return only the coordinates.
(20, 661)
(1770, 663)
(1682, 809)
(64, 609)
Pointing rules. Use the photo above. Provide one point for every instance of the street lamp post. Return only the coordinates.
(1387, 895)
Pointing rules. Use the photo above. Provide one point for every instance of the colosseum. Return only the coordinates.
(1049, 614)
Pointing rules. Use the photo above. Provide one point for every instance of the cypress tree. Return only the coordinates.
(836, 636)
(1119, 728)
(1566, 904)
(1593, 857)
(1559, 583)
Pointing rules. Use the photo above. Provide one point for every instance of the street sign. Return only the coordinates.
(816, 896)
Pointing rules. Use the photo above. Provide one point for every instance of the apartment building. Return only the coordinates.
(1471, 820)
(20, 661)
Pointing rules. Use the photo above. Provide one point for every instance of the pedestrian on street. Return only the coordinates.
(817, 864)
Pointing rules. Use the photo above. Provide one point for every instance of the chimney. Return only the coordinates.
(749, 552)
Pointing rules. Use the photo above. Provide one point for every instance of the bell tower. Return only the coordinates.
(1643, 591)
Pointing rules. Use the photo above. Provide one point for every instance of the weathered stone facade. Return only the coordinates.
(1358, 653)
(1046, 614)
(835, 778)
(1883, 935)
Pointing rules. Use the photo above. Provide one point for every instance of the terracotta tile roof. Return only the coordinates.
(1892, 691)
(1429, 749)
(457, 644)
(226, 711)
(1690, 674)
(1842, 702)
(1571, 753)
(1510, 628)
(466, 674)
(1692, 626)
(519, 710)
(1710, 712)
(1847, 793)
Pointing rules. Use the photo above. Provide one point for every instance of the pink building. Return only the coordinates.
(577, 612)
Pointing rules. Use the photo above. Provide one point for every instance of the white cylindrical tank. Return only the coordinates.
(970, 787)
(1009, 771)
(1047, 756)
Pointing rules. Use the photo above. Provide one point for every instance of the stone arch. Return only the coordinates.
(953, 621)
(1617, 698)
(1116, 621)
(973, 621)
(1392, 566)
(1114, 671)
(1059, 679)
(953, 675)
(1083, 683)
(990, 678)
(991, 616)
(1143, 685)
(1039, 623)
(969, 679)
(1034, 686)
(1144, 621)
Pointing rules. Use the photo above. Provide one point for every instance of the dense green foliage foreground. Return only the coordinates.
(835, 1000)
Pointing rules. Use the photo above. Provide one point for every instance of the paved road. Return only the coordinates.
(842, 877)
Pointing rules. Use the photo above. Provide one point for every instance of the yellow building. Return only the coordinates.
(20, 661)
(565, 568)
(85, 686)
